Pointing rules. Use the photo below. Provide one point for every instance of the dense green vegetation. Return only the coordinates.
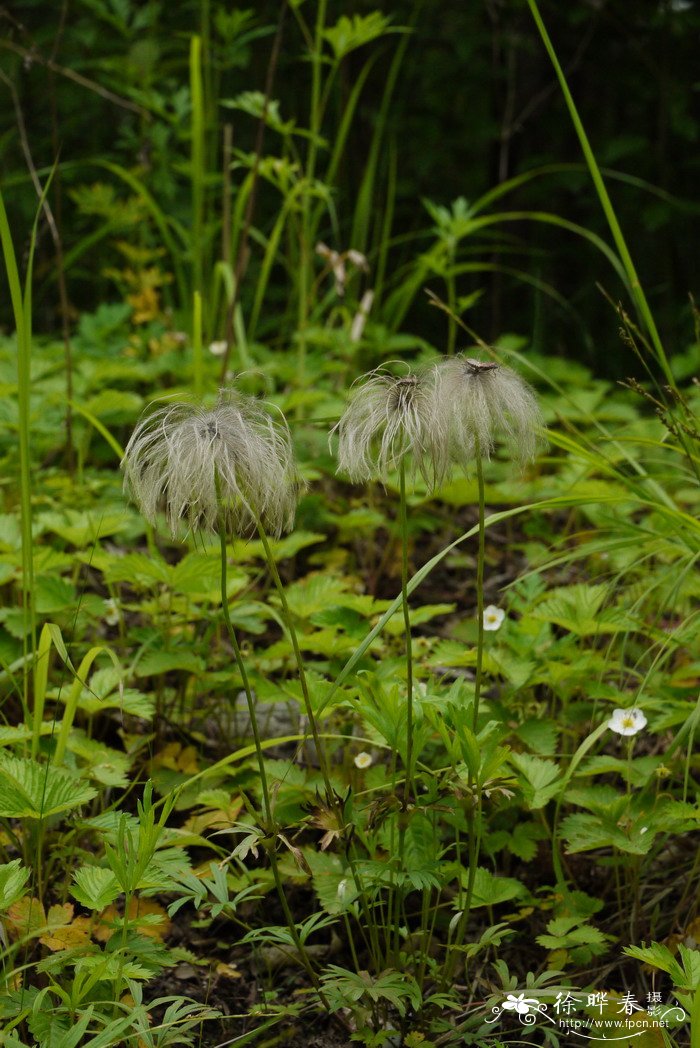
(360, 706)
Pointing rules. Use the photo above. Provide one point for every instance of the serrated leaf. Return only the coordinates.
(63, 931)
(585, 832)
(95, 887)
(579, 610)
(53, 594)
(29, 790)
(13, 878)
(538, 778)
(154, 663)
(489, 889)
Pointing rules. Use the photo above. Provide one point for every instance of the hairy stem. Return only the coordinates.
(403, 518)
(479, 586)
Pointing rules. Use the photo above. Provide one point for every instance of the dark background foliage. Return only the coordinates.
(475, 104)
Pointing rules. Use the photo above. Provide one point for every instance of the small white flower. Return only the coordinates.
(520, 1004)
(627, 722)
(111, 612)
(493, 617)
(218, 348)
(363, 760)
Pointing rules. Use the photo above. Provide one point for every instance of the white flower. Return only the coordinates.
(388, 418)
(111, 612)
(493, 617)
(218, 348)
(627, 722)
(482, 400)
(176, 454)
(520, 1004)
(363, 760)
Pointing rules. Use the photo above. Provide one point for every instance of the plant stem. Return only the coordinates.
(331, 796)
(479, 585)
(320, 750)
(267, 811)
(309, 175)
(403, 518)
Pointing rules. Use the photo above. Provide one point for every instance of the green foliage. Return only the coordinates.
(319, 765)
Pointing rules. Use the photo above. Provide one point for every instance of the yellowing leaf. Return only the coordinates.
(227, 971)
(26, 917)
(63, 930)
(177, 758)
(144, 915)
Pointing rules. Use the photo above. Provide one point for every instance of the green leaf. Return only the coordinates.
(395, 625)
(350, 33)
(95, 887)
(579, 609)
(154, 663)
(29, 790)
(13, 878)
(586, 832)
(82, 529)
(53, 594)
(538, 778)
(490, 889)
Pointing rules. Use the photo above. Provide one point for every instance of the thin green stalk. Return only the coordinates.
(197, 173)
(320, 749)
(331, 794)
(22, 309)
(479, 585)
(605, 201)
(267, 810)
(309, 175)
(197, 358)
(403, 518)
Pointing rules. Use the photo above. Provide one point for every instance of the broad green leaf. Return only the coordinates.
(84, 528)
(538, 778)
(490, 889)
(586, 832)
(13, 878)
(29, 790)
(579, 609)
(53, 594)
(395, 625)
(154, 663)
(95, 887)
(350, 33)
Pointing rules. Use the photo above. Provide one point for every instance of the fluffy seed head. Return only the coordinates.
(481, 401)
(176, 453)
(389, 417)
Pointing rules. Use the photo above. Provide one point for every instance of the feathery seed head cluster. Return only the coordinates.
(389, 417)
(176, 455)
(447, 415)
(481, 401)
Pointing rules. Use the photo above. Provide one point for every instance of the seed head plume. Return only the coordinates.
(480, 402)
(388, 418)
(178, 454)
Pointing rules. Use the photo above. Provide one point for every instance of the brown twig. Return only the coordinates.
(33, 55)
